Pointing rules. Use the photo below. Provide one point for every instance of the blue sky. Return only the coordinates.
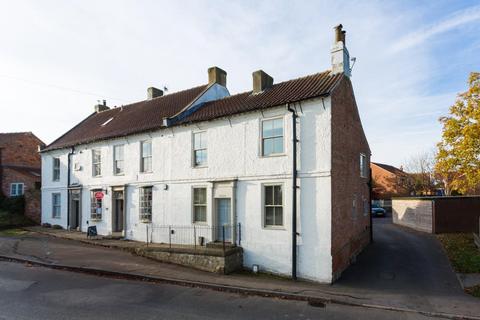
(58, 58)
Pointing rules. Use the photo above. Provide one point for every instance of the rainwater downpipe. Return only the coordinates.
(294, 191)
(72, 150)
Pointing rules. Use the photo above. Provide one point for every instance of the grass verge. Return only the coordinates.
(462, 252)
(12, 232)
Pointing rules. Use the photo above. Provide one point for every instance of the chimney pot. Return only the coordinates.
(153, 92)
(101, 107)
(340, 56)
(217, 75)
(261, 81)
(339, 34)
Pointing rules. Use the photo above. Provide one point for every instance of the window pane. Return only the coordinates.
(277, 195)
(267, 147)
(278, 145)
(118, 166)
(278, 216)
(200, 214)
(96, 156)
(118, 152)
(200, 157)
(278, 127)
(267, 129)
(199, 140)
(268, 195)
(147, 164)
(269, 216)
(200, 196)
(146, 148)
(19, 189)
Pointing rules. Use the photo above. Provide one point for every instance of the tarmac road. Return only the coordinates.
(28, 292)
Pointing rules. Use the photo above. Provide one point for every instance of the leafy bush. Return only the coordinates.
(56, 226)
(14, 205)
(46, 225)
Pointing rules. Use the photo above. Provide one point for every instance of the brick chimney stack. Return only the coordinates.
(340, 55)
(153, 92)
(101, 107)
(261, 81)
(217, 75)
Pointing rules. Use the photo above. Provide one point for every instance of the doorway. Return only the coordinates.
(117, 212)
(75, 210)
(224, 219)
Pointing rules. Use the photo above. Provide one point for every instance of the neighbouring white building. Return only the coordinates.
(207, 158)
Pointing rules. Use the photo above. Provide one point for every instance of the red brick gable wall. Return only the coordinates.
(20, 149)
(350, 225)
(31, 192)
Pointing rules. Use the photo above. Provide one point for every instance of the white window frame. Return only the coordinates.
(262, 151)
(264, 206)
(14, 186)
(98, 163)
(94, 215)
(55, 169)
(145, 205)
(194, 149)
(196, 205)
(363, 165)
(143, 157)
(115, 160)
(56, 207)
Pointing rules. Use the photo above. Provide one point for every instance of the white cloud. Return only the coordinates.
(60, 57)
(423, 34)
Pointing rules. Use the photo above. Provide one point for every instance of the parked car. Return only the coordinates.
(378, 211)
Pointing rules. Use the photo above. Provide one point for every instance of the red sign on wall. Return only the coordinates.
(99, 195)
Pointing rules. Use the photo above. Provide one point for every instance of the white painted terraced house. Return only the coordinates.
(205, 157)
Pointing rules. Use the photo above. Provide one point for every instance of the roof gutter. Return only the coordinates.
(294, 191)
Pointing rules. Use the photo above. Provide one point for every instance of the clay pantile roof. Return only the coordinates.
(134, 118)
(316, 85)
(389, 168)
(148, 115)
(8, 138)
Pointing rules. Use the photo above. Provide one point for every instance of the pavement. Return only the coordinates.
(29, 292)
(402, 270)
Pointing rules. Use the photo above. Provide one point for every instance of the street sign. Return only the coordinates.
(99, 195)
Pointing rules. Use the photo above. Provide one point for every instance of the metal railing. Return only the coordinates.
(195, 236)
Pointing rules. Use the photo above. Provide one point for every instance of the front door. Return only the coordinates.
(117, 221)
(75, 212)
(224, 220)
